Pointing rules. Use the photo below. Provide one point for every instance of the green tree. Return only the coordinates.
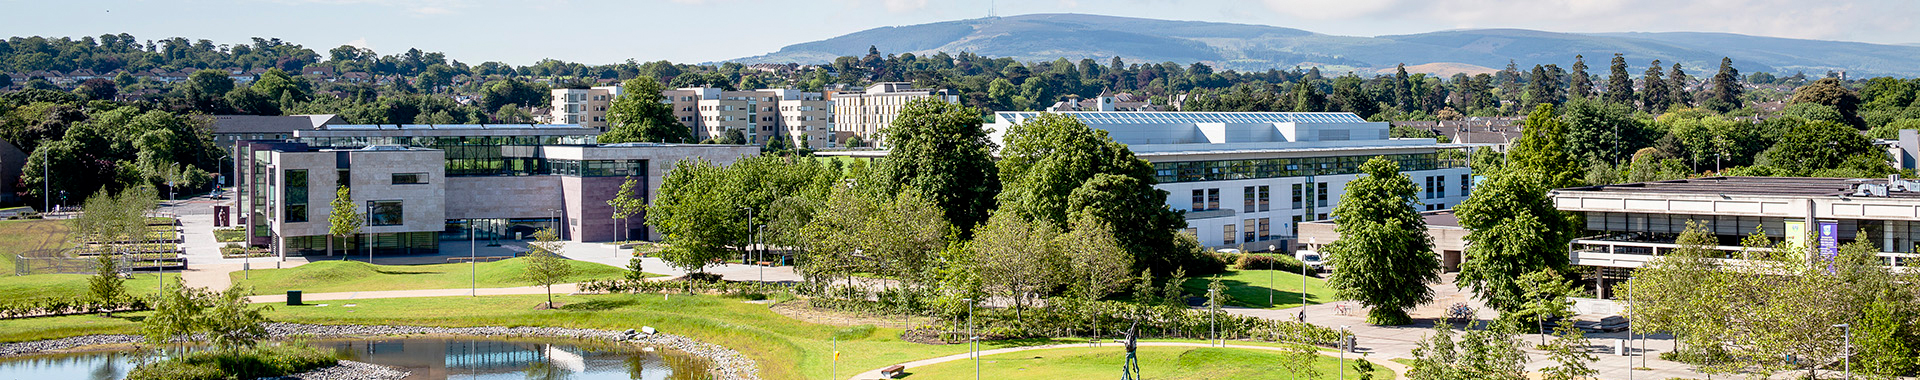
(1619, 85)
(1654, 95)
(1545, 298)
(1542, 148)
(1513, 229)
(1055, 167)
(231, 322)
(178, 313)
(1298, 360)
(1434, 356)
(1569, 354)
(106, 288)
(638, 115)
(626, 204)
(545, 266)
(1832, 93)
(1811, 146)
(939, 151)
(1677, 86)
(1724, 90)
(344, 220)
(1579, 84)
(1384, 254)
(1600, 131)
(696, 222)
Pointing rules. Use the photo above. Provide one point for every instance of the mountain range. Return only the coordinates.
(1047, 37)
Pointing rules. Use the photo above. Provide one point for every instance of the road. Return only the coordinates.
(875, 373)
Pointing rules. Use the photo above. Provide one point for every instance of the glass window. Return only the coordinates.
(1265, 197)
(1247, 197)
(384, 213)
(1321, 193)
(1297, 196)
(1264, 224)
(1199, 200)
(1249, 228)
(1213, 199)
(345, 178)
(409, 178)
(295, 195)
(1227, 234)
(1465, 181)
(1439, 186)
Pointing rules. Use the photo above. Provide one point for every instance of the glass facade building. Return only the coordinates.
(1195, 171)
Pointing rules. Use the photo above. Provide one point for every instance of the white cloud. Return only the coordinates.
(904, 5)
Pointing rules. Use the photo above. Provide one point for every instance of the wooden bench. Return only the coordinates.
(893, 372)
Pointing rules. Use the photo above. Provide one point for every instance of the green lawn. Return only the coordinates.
(1155, 363)
(1249, 288)
(16, 288)
(355, 276)
(23, 236)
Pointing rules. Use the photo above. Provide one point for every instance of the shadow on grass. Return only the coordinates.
(1246, 294)
(599, 305)
(403, 272)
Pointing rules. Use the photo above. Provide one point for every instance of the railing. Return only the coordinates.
(1631, 254)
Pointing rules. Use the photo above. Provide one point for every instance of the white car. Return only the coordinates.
(1311, 259)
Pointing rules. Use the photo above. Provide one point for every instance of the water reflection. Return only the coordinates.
(426, 358)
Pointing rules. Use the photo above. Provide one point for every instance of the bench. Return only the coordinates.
(893, 372)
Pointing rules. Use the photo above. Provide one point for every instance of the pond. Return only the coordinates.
(428, 358)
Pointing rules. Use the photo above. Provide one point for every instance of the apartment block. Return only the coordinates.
(804, 117)
(583, 107)
(863, 113)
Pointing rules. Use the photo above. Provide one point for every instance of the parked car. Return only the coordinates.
(1311, 259)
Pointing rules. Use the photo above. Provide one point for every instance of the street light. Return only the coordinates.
(761, 254)
(1213, 318)
(473, 258)
(973, 342)
(1270, 284)
(1630, 328)
(1847, 361)
(1343, 350)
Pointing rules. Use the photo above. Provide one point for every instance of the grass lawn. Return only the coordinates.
(355, 276)
(1248, 288)
(1155, 363)
(17, 288)
(23, 236)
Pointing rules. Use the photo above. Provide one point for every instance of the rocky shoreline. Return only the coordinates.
(350, 370)
(726, 363)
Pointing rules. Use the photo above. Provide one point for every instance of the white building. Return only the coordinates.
(1248, 179)
(863, 113)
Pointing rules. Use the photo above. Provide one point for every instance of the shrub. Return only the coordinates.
(249, 363)
(1263, 262)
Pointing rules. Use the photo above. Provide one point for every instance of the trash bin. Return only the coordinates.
(293, 298)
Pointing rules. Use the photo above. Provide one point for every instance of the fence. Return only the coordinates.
(25, 265)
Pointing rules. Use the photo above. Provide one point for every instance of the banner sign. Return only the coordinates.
(1797, 233)
(1829, 239)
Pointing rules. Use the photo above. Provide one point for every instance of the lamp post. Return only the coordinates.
(749, 225)
(1630, 328)
(369, 234)
(1213, 319)
(1270, 276)
(761, 254)
(1847, 361)
(1343, 347)
(973, 342)
(473, 258)
(1311, 243)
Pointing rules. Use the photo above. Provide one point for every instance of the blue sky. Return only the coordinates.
(593, 31)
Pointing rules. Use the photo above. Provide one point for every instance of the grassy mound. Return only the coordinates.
(355, 276)
(256, 362)
(1249, 288)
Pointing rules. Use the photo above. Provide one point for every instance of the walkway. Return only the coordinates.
(344, 296)
(1398, 368)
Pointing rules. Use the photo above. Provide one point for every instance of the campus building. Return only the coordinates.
(417, 185)
(760, 115)
(863, 113)
(1636, 222)
(1250, 179)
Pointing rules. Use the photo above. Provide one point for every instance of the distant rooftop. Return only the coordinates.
(400, 127)
(1763, 186)
(1090, 117)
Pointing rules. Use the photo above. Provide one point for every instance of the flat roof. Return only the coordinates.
(1438, 218)
(1158, 117)
(1755, 186)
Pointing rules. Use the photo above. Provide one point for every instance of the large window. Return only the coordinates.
(1321, 193)
(1298, 197)
(598, 168)
(1250, 228)
(1439, 186)
(1226, 234)
(296, 196)
(1194, 171)
(1247, 197)
(409, 178)
(1266, 197)
(384, 213)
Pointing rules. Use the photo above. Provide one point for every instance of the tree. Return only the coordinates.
(106, 288)
(1542, 88)
(545, 266)
(1434, 356)
(1579, 85)
(1569, 354)
(1677, 86)
(1832, 93)
(1384, 254)
(695, 222)
(1545, 298)
(1542, 148)
(344, 220)
(1811, 146)
(939, 151)
(1017, 257)
(626, 204)
(1298, 359)
(1723, 90)
(1055, 167)
(1600, 131)
(231, 322)
(1619, 85)
(1513, 230)
(638, 115)
(1654, 95)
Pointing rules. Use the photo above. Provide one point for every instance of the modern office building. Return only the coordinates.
(420, 184)
(1449, 239)
(805, 117)
(585, 107)
(760, 115)
(1636, 222)
(1249, 179)
(863, 113)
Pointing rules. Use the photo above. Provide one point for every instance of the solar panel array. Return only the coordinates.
(1196, 117)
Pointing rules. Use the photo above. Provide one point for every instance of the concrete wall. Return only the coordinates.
(502, 197)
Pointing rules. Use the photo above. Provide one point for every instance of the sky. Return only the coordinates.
(522, 32)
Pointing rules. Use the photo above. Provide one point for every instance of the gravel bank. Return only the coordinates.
(727, 363)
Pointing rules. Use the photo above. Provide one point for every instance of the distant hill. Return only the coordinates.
(1039, 37)
(1442, 69)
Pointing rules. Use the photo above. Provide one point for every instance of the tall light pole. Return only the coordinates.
(973, 342)
(1270, 284)
(749, 225)
(1847, 361)
(1213, 319)
(1343, 350)
(369, 233)
(473, 258)
(1630, 327)
(761, 254)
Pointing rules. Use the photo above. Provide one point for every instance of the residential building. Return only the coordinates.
(586, 107)
(863, 113)
(1634, 223)
(418, 185)
(760, 115)
(1119, 102)
(1249, 179)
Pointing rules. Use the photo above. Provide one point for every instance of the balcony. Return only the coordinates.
(1634, 250)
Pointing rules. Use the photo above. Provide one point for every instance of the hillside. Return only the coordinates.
(1258, 47)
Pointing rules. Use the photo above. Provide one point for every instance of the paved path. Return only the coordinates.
(343, 296)
(875, 373)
